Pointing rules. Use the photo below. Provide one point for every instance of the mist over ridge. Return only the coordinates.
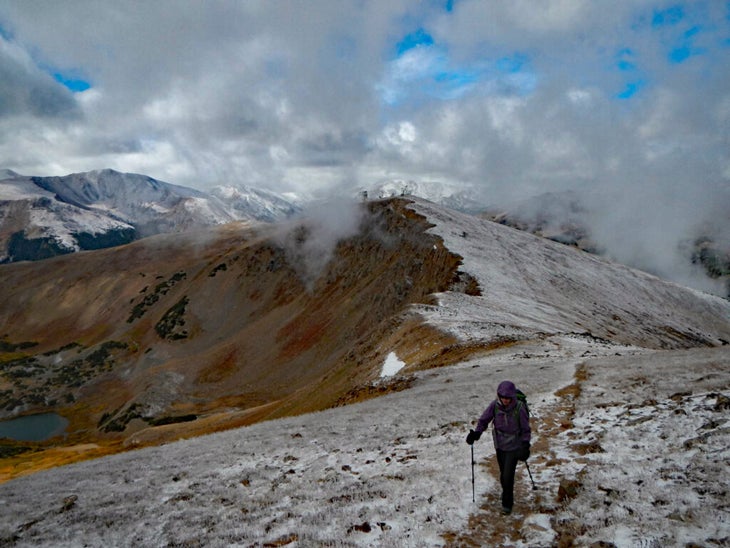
(504, 102)
(687, 241)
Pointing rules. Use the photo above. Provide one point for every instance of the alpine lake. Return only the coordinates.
(39, 427)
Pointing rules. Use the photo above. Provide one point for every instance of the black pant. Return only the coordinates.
(507, 465)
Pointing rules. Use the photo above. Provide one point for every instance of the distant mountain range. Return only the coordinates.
(460, 197)
(41, 217)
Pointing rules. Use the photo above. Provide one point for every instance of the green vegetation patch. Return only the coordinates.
(8, 450)
(161, 421)
(69, 346)
(160, 290)
(171, 325)
(220, 268)
(7, 346)
(117, 420)
(45, 379)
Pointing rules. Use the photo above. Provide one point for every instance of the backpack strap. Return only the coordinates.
(516, 413)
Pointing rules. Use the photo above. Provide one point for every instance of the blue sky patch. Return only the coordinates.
(413, 40)
(626, 60)
(5, 34)
(685, 47)
(628, 64)
(668, 17)
(72, 82)
(423, 68)
(631, 89)
(450, 84)
(512, 64)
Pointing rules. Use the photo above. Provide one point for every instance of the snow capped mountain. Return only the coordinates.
(45, 216)
(460, 197)
(36, 224)
(262, 205)
(8, 174)
(136, 198)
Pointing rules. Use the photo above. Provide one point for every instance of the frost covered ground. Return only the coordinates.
(640, 443)
(630, 445)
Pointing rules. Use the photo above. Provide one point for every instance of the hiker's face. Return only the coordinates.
(505, 401)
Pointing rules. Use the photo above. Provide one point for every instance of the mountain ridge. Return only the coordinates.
(697, 255)
(228, 326)
(41, 217)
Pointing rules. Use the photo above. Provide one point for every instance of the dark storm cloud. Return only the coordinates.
(25, 90)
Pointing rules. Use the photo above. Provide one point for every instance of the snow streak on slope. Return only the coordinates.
(247, 203)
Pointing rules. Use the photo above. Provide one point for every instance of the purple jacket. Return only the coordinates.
(511, 426)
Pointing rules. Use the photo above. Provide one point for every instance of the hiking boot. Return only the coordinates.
(506, 510)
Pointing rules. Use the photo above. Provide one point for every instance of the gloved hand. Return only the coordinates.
(524, 452)
(472, 436)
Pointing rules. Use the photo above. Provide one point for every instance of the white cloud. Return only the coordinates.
(517, 98)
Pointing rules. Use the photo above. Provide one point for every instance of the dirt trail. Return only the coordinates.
(488, 527)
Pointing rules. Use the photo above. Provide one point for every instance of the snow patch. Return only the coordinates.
(392, 365)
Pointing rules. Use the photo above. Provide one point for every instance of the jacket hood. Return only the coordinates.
(507, 389)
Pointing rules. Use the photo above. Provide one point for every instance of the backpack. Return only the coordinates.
(522, 399)
(524, 453)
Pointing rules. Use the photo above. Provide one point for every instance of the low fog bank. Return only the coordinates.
(659, 227)
(679, 234)
(311, 240)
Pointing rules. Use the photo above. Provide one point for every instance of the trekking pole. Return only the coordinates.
(534, 487)
(473, 498)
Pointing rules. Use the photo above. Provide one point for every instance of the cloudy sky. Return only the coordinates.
(508, 98)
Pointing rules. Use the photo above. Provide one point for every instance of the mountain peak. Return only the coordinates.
(8, 174)
(99, 201)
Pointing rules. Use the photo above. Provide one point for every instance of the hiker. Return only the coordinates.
(511, 434)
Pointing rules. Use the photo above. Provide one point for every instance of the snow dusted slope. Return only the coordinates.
(254, 203)
(151, 205)
(395, 471)
(8, 174)
(531, 285)
(34, 223)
